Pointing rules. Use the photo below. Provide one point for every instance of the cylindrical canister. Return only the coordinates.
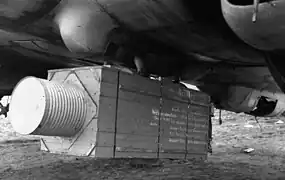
(49, 108)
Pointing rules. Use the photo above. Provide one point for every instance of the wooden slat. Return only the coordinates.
(132, 96)
(197, 126)
(173, 145)
(109, 75)
(197, 136)
(201, 156)
(136, 143)
(172, 155)
(173, 116)
(171, 106)
(126, 154)
(197, 97)
(175, 92)
(135, 83)
(198, 118)
(102, 152)
(196, 148)
(107, 114)
(137, 116)
(199, 110)
(173, 127)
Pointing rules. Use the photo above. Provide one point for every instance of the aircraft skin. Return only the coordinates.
(215, 45)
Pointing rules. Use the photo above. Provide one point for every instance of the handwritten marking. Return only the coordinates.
(176, 140)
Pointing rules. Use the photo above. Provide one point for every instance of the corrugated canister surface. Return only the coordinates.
(42, 107)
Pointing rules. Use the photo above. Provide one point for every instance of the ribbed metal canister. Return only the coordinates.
(42, 107)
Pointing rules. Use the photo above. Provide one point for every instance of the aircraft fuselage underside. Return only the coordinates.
(197, 41)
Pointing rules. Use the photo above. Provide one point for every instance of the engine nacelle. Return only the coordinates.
(267, 32)
(84, 27)
(254, 102)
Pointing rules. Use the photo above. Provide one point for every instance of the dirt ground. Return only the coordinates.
(22, 159)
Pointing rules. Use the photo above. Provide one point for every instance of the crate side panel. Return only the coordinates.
(198, 123)
(198, 97)
(135, 83)
(198, 119)
(200, 110)
(136, 114)
(197, 130)
(197, 142)
(197, 135)
(173, 126)
(194, 147)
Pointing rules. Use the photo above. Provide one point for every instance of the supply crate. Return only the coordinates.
(132, 116)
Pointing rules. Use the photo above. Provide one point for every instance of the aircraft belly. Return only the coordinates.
(206, 41)
(16, 13)
(84, 25)
(144, 15)
(172, 23)
(267, 32)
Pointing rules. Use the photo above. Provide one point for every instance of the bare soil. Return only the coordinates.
(22, 159)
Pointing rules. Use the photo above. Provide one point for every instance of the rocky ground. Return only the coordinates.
(22, 159)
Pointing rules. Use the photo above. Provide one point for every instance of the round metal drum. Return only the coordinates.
(43, 107)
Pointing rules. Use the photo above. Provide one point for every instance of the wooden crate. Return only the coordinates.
(132, 116)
